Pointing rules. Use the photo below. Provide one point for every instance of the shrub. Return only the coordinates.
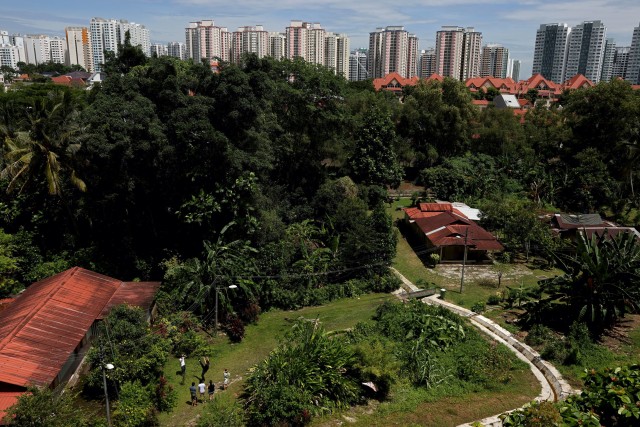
(478, 307)
(540, 414)
(434, 259)
(494, 300)
(308, 373)
(190, 343)
(234, 327)
(166, 397)
(222, 412)
(377, 364)
(538, 335)
(250, 313)
(134, 407)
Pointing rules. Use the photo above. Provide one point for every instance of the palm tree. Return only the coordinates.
(601, 281)
(47, 150)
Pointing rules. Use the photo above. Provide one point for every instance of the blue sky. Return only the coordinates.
(511, 23)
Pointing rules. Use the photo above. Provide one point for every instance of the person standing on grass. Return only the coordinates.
(183, 367)
(202, 387)
(204, 363)
(212, 389)
(194, 397)
(226, 375)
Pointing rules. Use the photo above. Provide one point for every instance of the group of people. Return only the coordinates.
(202, 387)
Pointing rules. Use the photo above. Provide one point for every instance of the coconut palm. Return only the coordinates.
(47, 150)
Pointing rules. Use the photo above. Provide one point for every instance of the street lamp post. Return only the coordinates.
(464, 259)
(105, 366)
(215, 326)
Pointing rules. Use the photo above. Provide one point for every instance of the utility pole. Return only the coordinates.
(464, 259)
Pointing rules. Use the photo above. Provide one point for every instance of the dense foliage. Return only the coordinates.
(601, 283)
(610, 397)
(46, 408)
(311, 373)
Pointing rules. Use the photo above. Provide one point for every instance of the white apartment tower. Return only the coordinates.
(250, 40)
(495, 61)
(177, 50)
(471, 53)
(276, 48)
(391, 50)
(79, 47)
(633, 67)
(108, 34)
(316, 44)
(427, 63)
(8, 56)
(514, 69)
(620, 62)
(586, 50)
(358, 65)
(57, 47)
(336, 54)
(159, 49)
(206, 40)
(607, 60)
(550, 52)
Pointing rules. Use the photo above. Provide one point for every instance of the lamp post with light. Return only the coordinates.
(215, 327)
(105, 366)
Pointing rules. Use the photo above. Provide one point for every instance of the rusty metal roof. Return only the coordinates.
(7, 400)
(42, 327)
(140, 294)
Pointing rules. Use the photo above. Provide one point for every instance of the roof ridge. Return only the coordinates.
(36, 307)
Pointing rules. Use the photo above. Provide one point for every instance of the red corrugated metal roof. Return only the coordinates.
(140, 294)
(449, 229)
(7, 400)
(43, 326)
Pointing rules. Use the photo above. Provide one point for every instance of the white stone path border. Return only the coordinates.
(554, 387)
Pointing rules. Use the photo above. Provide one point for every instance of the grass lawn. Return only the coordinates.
(259, 340)
(410, 406)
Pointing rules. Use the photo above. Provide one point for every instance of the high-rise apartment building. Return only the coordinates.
(78, 47)
(336, 53)
(586, 51)
(514, 70)
(316, 44)
(550, 52)
(607, 60)
(249, 40)
(471, 53)
(297, 40)
(108, 34)
(633, 68)
(57, 47)
(177, 50)
(159, 49)
(4, 37)
(392, 49)
(427, 63)
(8, 56)
(620, 62)
(458, 52)
(494, 61)
(206, 40)
(358, 65)
(276, 48)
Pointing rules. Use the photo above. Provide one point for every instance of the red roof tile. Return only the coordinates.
(449, 229)
(43, 326)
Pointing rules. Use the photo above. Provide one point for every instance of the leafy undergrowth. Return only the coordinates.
(259, 340)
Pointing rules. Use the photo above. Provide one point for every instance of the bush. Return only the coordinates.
(434, 259)
(250, 313)
(189, 343)
(494, 300)
(166, 397)
(478, 307)
(538, 335)
(222, 412)
(234, 327)
(135, 407)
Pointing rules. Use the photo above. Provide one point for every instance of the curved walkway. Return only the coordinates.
(554, 387)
